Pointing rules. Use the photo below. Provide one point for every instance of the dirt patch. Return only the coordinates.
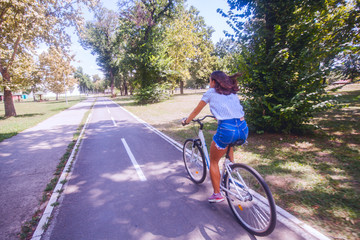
(325, 157)
(284, 182)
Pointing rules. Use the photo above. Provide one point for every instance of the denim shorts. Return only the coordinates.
(230, 131)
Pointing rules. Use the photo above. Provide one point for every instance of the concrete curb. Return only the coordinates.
(56, 192)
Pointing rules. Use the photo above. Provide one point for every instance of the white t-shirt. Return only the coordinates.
(223, 106)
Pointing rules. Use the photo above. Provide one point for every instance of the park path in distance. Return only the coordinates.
(129, 183)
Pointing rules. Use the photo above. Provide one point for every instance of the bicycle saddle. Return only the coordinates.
(238, 143)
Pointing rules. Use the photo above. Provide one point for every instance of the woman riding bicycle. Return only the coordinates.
(225, 106)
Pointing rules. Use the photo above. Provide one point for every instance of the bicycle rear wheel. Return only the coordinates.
(255, 209)
(194, 161)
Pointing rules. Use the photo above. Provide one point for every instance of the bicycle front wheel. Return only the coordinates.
(194, 161)
(250, 200)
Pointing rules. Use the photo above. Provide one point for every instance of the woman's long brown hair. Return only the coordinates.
(225, 84)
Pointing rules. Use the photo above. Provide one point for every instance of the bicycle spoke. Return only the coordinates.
(259, 214)
(194, 161)
(255, 209)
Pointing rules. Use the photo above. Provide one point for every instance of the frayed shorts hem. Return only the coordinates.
(218, 147)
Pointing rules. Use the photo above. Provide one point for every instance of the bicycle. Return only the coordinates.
(247, 194)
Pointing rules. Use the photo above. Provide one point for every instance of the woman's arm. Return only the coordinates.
(195, 112)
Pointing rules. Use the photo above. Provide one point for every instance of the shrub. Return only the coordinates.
(152, 94)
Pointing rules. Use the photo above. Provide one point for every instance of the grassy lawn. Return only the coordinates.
(30, 113)
(315, 177)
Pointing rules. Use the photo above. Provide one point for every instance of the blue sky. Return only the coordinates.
(207, 9)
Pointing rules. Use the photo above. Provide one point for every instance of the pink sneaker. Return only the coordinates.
(216, 197)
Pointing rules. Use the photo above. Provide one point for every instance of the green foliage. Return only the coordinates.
(100, 37)
(151, 42)
(152, 94)
(272, 113)
(229, 55)
(351, 64)
(204, 62)
(84, 81)
(287, 51)
(50, 186)
(190, 49)
(141, 35)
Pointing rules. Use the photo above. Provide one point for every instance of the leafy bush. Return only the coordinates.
(286, 57)
(273, 114)
(152, 94)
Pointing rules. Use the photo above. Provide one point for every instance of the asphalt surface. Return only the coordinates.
(127, 183)
(107, 198)
(27, 164)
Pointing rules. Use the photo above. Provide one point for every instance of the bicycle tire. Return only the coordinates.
(258, 213)
(194, 161)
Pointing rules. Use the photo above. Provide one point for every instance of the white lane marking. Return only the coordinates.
(162, 135)
(133, 160)
(113, 121)
(111, 116)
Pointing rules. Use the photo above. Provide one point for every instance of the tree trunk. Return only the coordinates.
(112, 83)
(9, 104)
(181, 87)
(8, 99)
(125, 88)
(33, 90)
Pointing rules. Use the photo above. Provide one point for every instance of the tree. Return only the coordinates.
(99, 85)
(287, 50)
(23, 25)
(100, 37)
(57, 70)
(228, 52)
(95, 78)
(204, 62)
(144, 24)
(84, 81)
(36, 82)
(351, 64)
(181, 41)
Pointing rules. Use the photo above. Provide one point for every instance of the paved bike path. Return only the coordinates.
(129, 183)
(28, 162)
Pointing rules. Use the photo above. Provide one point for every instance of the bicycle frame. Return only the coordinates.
(204, 148)
(242, 185)
(226, 168)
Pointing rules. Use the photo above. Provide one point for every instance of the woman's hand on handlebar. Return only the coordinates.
(183, 122)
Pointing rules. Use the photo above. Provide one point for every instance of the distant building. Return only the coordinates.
(16, 96)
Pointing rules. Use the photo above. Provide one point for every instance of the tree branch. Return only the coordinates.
(16, 45)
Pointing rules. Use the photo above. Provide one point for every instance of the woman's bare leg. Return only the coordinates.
(231, 154)
(215, 155)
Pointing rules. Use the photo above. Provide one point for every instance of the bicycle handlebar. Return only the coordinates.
(199, 120)
(202, 119)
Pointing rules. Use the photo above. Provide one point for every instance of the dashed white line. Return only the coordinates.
(113, 121)
(133, 160)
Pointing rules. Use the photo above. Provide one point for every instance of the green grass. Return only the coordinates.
(29, 114)
(315, 176)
